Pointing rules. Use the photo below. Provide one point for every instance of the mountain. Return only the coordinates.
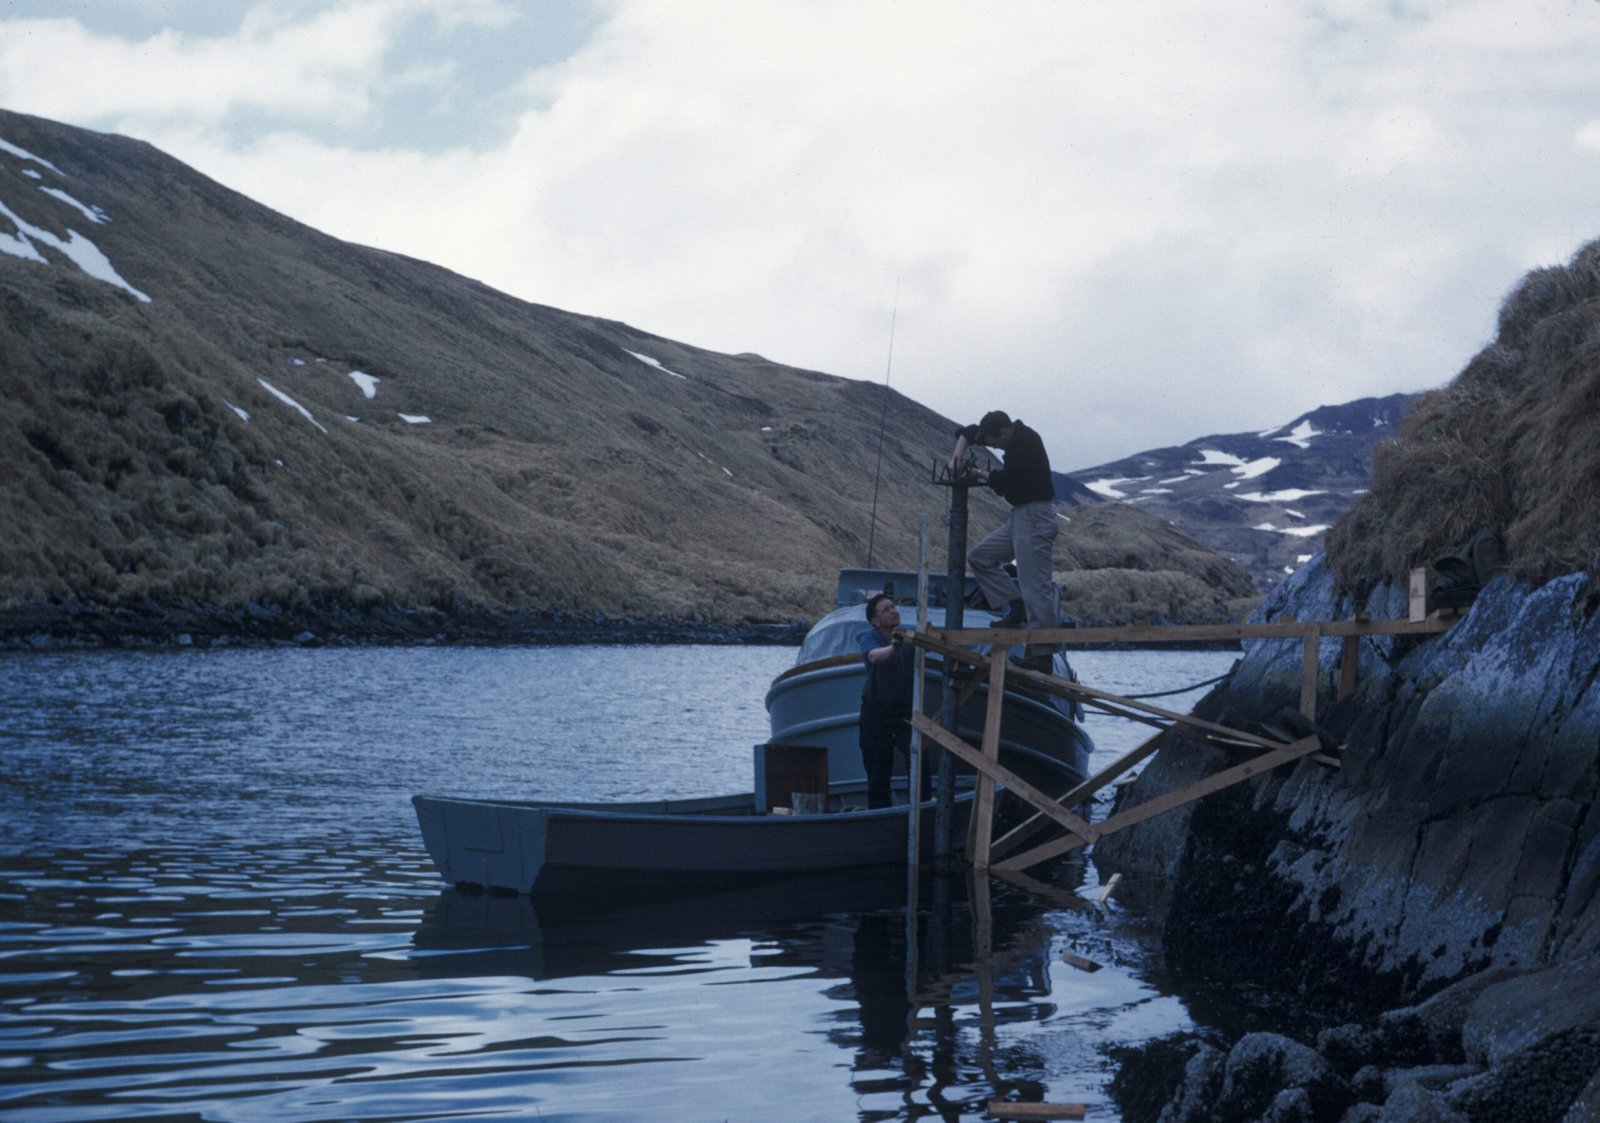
(1261, 499)
(211, 405)
(221, 423)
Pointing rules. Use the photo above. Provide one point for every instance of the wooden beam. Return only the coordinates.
(1349, 660)
(1310, 672)
(981, 827)
(1002, 1110)
(1151, 808)
(1025, 830)
(1058, 897)
(1188, 633)
(1421, 590)
(1001, 774)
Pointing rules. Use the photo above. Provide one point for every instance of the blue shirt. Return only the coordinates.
(889, 685)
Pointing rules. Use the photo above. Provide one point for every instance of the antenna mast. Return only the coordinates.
(877, 475)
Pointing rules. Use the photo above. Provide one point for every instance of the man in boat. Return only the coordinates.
(887, 697)
(1028, 535)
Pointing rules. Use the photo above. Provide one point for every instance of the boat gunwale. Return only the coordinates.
(1014, 694)
(645, 811)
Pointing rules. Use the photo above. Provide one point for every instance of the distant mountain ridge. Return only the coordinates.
(1263, 500)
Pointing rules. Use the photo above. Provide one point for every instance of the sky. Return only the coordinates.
(1130, 224)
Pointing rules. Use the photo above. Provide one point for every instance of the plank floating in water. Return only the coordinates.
(1001, 1110)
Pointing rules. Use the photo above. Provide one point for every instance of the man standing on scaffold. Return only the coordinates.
(1028, 535)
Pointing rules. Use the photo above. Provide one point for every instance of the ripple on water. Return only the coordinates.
(276, 946)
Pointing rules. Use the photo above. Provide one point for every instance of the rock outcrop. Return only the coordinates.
(1438, 895)
(1433, 904)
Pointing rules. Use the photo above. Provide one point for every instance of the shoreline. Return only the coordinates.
(156, 626)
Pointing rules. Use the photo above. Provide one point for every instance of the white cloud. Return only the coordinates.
(1129, 224)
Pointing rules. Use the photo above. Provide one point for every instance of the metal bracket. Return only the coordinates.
(966, 475)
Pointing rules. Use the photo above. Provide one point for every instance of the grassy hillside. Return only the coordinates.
(212, 450)
(1513, 443)
(1117, 564)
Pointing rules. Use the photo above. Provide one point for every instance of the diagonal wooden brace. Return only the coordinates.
(1226, 778)
(1003, 775)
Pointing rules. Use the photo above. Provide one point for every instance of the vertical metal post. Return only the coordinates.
(955, 604)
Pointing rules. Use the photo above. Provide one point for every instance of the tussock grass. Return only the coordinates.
(1117, 564)
(1512, 443)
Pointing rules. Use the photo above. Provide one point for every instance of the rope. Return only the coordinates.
(1182, 689)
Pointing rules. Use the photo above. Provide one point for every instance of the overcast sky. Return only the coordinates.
(1130, 222)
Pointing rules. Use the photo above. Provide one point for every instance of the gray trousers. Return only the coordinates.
(1029, 536)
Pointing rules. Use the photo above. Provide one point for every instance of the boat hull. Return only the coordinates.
(820, 704)
(526, 846)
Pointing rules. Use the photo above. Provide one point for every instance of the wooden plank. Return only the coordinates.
(1349, 660)
(1188, 633)
(1421, 588)
(981, 827)
(1013, 783)
(1151, 808)
(1026, 829)
(1058, 897)
(1310, 672)
(1002, 1110)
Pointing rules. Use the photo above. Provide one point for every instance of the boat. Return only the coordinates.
(807, 812)
(817, 701)
(569, 849)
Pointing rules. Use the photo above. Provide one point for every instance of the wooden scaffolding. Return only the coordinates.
(1005, 855)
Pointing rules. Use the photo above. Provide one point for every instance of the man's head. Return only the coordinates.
(995, 429)
(883, 613)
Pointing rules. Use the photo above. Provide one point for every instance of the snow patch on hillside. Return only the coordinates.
(1297, 531)
(74, 247)
(1301, 437)
(1109, 488)
(1288, 495)
(24, 154)
(649, 362)
(288, 401)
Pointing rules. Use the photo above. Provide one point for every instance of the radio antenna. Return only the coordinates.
(877, 475)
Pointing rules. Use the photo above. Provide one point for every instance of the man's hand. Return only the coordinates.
(899, 635)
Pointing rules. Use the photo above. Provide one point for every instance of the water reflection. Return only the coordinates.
(981, 962)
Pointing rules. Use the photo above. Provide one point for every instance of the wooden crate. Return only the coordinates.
(794, 768)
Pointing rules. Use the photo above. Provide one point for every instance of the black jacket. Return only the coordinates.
(1026, 475)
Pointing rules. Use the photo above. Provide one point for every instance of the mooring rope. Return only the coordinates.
(1182, 689)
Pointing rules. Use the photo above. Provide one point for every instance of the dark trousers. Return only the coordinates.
(882, 734)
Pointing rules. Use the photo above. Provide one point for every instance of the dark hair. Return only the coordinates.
(872, 604)
(992, 423)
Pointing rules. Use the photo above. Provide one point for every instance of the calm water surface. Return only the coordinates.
(214, 904)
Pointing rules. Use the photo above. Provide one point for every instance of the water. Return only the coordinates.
(214, 905)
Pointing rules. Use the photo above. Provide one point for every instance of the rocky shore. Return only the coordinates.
(1432, 907)
(77, 624)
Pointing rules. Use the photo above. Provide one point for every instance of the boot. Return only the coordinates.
(1016, 616)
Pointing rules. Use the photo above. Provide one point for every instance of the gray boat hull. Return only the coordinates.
(526, 846)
